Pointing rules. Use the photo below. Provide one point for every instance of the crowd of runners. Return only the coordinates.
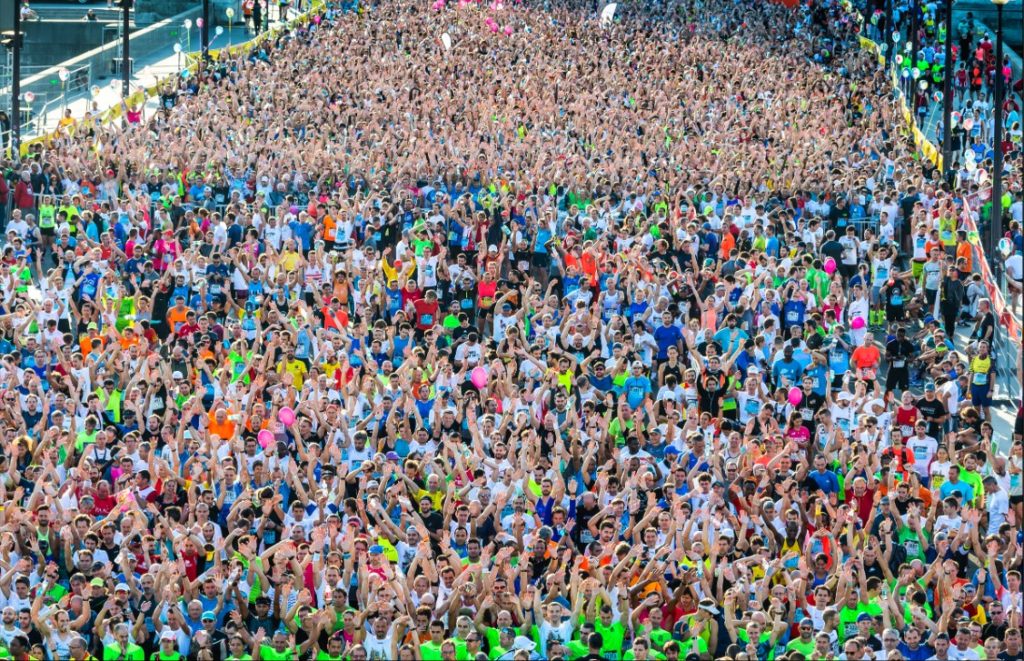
(474, 331)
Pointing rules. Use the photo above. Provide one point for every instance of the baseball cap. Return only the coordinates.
(208, 615)
(98, 582)
(122, 587)
(864, 617)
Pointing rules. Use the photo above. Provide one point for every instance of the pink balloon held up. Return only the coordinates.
(508, 30)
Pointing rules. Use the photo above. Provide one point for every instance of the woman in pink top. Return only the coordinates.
(133, 114)
(166, 249)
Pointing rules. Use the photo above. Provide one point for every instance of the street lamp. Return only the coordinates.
(63, 74)
(204, 28)
(947, 97)
(188, 35)
(231, 15)
(996, 221)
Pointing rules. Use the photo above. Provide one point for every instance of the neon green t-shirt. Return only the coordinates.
(268, 653)
(613, 636)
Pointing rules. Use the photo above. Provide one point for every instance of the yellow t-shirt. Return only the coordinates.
(436, 498)
(296, 368)
(980, 367)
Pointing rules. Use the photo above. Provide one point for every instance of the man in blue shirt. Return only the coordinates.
(637, 387)
(730, 336)
(667, 335)
(955, 485)
(787, 370)
(825, 479)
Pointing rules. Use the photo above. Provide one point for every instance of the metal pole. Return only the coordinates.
(890, 47)
(947, 96)
(915, 29)
(126, 74)
(996, 222)
(16, 85)
(205, 30)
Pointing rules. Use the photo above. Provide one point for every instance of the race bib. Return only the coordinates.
(980, 379)
(899, 363)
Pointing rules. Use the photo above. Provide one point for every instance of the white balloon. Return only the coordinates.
(608, 14)
(177, 48)
(446, 39)
(63, 74)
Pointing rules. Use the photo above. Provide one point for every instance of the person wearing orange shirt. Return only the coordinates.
(866, 358)
(966, 253)
(177, 315)
(129, 338)
(92, 340)
(221, 424)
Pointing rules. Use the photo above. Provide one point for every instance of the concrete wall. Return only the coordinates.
(50, 42)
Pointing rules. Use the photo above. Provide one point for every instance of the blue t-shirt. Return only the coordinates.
(790, 370)
(666, 336)
(637, 388)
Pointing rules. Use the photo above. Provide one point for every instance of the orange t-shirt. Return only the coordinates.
(85, 343)
(963, 249)
(176, 316)
(866, 356)
(225, 430)
(330, 228)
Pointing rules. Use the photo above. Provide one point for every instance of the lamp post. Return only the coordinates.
(231, 15)
(204, 30)
(16, 85)
(947, 97)
(126, 74)
(887, 44)
(996, 221)
(915, 30)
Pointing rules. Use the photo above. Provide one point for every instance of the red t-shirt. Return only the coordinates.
(865, 504)
(906, 419)
(426, 314)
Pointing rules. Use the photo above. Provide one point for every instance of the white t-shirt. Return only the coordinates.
(1015, 267)
(924, 450)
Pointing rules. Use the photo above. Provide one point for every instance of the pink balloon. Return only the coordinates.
(508, 30)
(286, 416)
(265, 438)
(857, 323)
(478, 377)
(494, 28)
(830, 266)
(795, 396)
